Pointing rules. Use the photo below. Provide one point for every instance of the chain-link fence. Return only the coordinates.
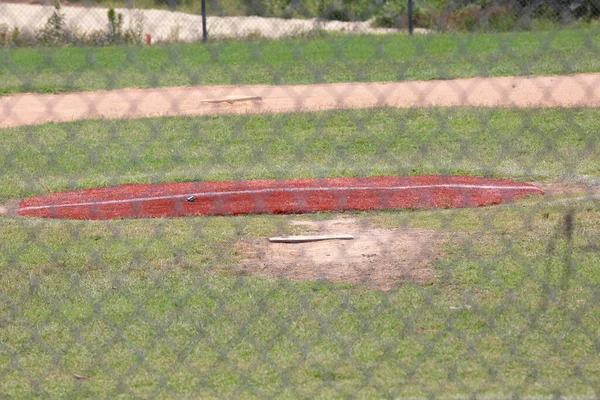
(311, 204)
(171, 21)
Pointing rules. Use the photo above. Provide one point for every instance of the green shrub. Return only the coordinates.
(426, 17)
(116, 34)
(54, 32)
(115, 26)
(543, 24)
(277, 8)
(8, 36)
(392, 14)
(554, 9)
(501, 19)
(464, 19)
(341, 10)
(337, 10)
(134, 34)
(172, 4)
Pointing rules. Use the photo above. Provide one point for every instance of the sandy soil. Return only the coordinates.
(10, 208)
(166, 25)
(568, 187)
(379, 258)
(541, 91)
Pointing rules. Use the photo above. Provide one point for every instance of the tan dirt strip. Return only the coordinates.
(581, 90)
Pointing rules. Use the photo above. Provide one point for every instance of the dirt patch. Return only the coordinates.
(568, 188)
(377, 257)
(9, 209)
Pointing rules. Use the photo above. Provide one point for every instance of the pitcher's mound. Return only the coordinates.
(176, 199)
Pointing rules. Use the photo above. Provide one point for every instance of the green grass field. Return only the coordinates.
(145, 309)
(331, 58)
(151, 308)
(541, 144)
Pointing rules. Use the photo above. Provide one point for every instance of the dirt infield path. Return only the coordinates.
(543, 91)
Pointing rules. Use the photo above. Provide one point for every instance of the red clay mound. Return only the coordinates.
(274, 196)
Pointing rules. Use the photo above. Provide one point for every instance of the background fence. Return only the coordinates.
(463, 160)
(44, 22)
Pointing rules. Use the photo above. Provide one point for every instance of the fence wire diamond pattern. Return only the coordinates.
(300, 199)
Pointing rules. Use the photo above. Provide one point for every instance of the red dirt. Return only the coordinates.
(274, 196)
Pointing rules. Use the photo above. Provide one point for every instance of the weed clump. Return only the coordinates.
(54, 32)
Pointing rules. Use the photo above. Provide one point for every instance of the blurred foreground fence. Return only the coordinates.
(457, 171)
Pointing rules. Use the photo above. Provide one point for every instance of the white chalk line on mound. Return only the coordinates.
(273, 190)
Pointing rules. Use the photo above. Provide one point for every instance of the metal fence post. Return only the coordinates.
(410, 17)
(204, 31)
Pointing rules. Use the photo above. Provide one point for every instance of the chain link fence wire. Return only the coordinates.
(143, 173)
